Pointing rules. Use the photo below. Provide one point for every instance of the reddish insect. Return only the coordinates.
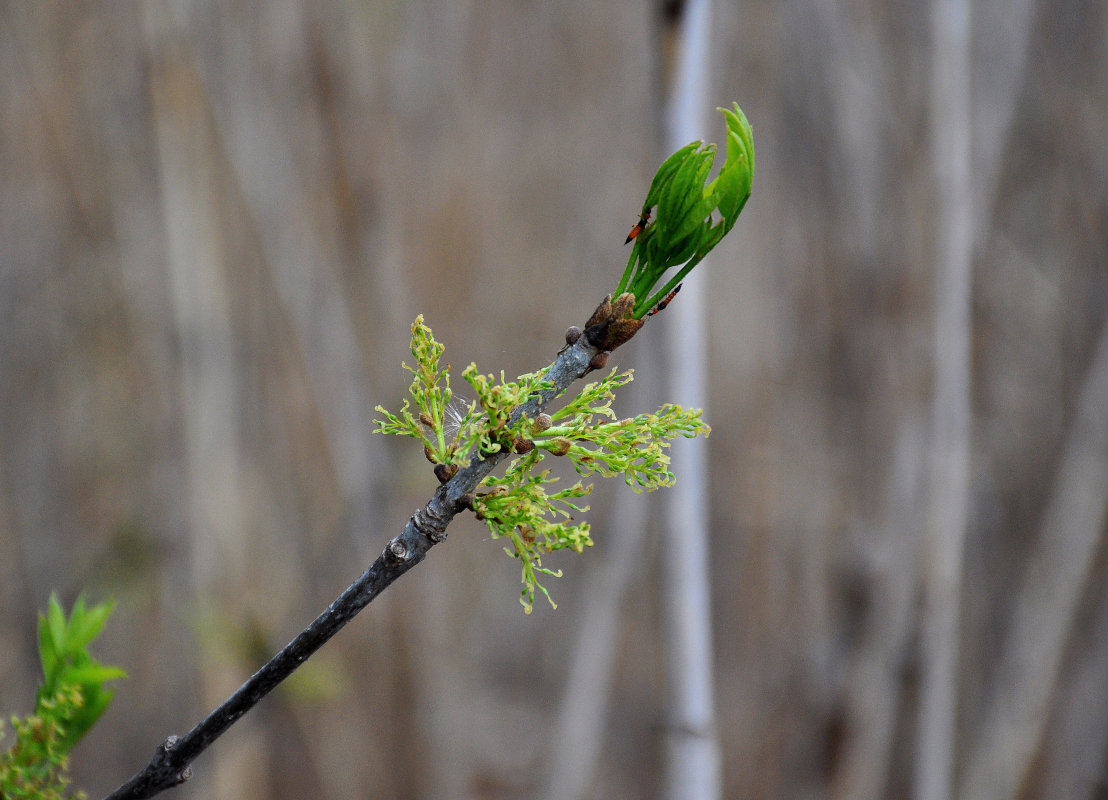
(635, 231)
(665, 302)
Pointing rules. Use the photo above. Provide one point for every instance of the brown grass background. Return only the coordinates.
(218, 220)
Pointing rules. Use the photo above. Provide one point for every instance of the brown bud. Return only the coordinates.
(613, 323)
(573, 333)
(429, 454)
(620, 332)
(623, 306)
(425, 418)
(527, 533)
(445, 472)
(599, 360)
(602, 314)
(521, 445)
(560, 446)
(542, 422)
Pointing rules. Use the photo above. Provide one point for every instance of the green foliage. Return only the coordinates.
(69, 702)
(632, 447)
(690, 218)
(430, 390)
(480, 427)
(63, 650)
(485, 429)
(520, 506)
(35, 767)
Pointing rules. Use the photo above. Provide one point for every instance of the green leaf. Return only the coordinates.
(666, 171)
(55, 622)
(72, 679)
(93, 673)
(47, 651)
(86, 624)
(686, 226)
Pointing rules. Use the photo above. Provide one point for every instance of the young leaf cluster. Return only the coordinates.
(690, 218)
(63, 649)
(69, 702)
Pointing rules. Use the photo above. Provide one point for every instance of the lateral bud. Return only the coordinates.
(445, 472)
(397, 549)
(599, 360)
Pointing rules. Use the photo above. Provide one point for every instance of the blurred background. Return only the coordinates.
(218, 221)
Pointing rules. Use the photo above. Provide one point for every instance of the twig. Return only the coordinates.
(948, 506)
(170, 765)
(693, 757)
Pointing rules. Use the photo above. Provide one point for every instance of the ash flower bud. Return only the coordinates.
(560, 446)
(599, 360)
(573, 333)
(445, 472)
(541, 423)
(426, 420)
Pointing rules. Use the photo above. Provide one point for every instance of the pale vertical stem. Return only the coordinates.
(692, 753)
(942, 555)
(1000, 67)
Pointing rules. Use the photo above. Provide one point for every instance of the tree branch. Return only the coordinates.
(170, 765)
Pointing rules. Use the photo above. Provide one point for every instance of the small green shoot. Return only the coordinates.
(690, 217)
(69, 702)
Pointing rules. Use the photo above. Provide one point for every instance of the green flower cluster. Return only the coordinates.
(479, 427)
(36, 766)
(632, 447)
(587, 432)
(690, 217)
(520, 506)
